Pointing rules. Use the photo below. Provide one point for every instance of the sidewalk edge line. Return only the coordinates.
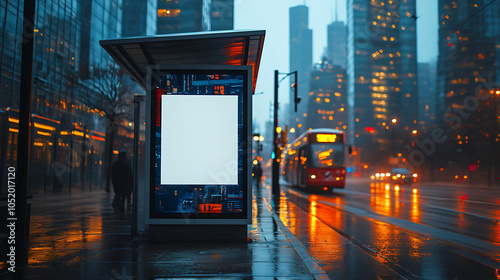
(314, 268)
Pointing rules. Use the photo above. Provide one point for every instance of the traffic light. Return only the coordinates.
(283, 136)
(296, 98)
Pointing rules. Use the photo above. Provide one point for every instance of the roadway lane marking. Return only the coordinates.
(471, 243)
(316, 271)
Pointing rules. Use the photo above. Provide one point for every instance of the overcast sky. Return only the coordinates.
(272, 16)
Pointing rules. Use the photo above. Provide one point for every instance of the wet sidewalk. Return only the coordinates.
(79, 236)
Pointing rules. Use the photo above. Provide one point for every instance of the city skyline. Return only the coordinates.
(274, 19)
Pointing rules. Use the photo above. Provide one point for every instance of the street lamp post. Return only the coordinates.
(276, 160)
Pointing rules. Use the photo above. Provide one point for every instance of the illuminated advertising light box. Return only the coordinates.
(200, 167)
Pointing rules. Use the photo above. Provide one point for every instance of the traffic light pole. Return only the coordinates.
(275, 166)
(276, 159)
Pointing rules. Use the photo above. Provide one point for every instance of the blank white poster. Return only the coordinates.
(199, 139)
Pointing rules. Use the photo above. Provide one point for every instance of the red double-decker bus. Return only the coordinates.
(316, 160)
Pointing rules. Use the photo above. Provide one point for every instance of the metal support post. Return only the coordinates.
(275, 165)
(21, 174)
(137, 125)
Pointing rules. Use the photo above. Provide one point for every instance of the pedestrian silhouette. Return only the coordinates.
(121, 177)
(257, 173)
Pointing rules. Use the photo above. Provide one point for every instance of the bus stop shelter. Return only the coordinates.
(229, 51)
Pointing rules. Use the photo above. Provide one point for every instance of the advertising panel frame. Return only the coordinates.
(244, 148)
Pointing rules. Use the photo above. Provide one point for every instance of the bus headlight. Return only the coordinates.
(313, 176)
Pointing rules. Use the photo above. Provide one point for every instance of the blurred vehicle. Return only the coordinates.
(398, 175)
(403, 176)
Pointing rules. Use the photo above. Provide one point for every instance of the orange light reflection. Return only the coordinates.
(396, 198)
(313, 221)
(84, 230)
(415, 210)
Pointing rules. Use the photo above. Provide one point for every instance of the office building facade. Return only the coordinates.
(467, 84)
(194, 16)
(426, 96)
(382, 77)
(327, 97)
(139, 18)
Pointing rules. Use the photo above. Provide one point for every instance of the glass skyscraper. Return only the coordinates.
(11, 24)
(139, 18)
(194, 15)
(468, 93)
(382, 77)
(67, 136)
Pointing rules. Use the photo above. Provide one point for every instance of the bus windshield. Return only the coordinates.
(327, 155)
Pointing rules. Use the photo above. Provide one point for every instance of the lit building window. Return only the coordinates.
(168, 12)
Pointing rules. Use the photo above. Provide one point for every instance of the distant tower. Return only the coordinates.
(337, 41)
(301, 61)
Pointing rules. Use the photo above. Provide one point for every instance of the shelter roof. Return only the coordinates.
(199, 48)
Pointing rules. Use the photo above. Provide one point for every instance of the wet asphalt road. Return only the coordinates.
(374, 230)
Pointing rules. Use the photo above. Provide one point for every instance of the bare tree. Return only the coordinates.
(110, 91)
